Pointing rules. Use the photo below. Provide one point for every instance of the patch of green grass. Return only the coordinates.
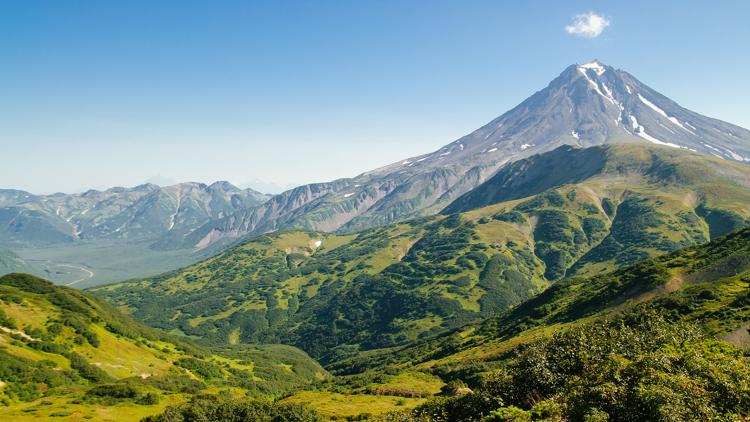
(350, 405)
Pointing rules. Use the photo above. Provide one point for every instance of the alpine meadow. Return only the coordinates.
(584, 256)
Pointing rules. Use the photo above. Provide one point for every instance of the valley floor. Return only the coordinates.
(91, 264)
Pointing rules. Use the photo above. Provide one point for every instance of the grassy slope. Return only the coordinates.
(395, 284)
(708, 285)
(45, 330)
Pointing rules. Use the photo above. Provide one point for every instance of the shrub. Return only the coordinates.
(116, 391)
(5, 321)
(511, 217)
(148, 399)
(86, 370)
(200, 367)
(639, 366)
(217, 409)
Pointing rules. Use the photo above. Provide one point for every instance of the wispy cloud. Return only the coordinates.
(587, 25)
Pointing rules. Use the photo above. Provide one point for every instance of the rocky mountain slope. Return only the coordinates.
(586, 105)
(337, 294)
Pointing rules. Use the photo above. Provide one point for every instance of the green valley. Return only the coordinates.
(337, 295)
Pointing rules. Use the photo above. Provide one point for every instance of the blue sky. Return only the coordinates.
(102, 93)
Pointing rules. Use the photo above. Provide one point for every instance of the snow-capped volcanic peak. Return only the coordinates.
(591, 104)
(587, 104)
(594, 65)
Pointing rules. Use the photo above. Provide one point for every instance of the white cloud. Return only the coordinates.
(587, 25)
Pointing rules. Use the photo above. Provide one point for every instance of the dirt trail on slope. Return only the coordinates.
(675, 283)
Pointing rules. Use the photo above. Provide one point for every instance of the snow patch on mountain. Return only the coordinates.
(656, 108)
(735, 156)
(592, 83)
(595, 66)
(641, 131)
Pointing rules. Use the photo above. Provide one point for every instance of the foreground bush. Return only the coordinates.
(215, 409)
(639, 367)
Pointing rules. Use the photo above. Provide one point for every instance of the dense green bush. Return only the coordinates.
(721, 222)
(504, 284)
(202, 368)
(511, 217)
(217, 409)
(118, 391)
(5, 321)
(637, 367)
(112, 394)
(81, 327)
(86, 370)
(26, 379)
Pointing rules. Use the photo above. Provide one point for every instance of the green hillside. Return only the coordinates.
(654, 341)
(337, 295)
(66, 354)
(636, 367)
(646, 342)
(708, 285)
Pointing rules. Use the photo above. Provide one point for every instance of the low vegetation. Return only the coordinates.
(221, 409)
(639, 366)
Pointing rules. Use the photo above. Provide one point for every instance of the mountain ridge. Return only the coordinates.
(143, 211)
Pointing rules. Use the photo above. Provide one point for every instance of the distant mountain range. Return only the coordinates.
(589, 104)
(143, 212)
